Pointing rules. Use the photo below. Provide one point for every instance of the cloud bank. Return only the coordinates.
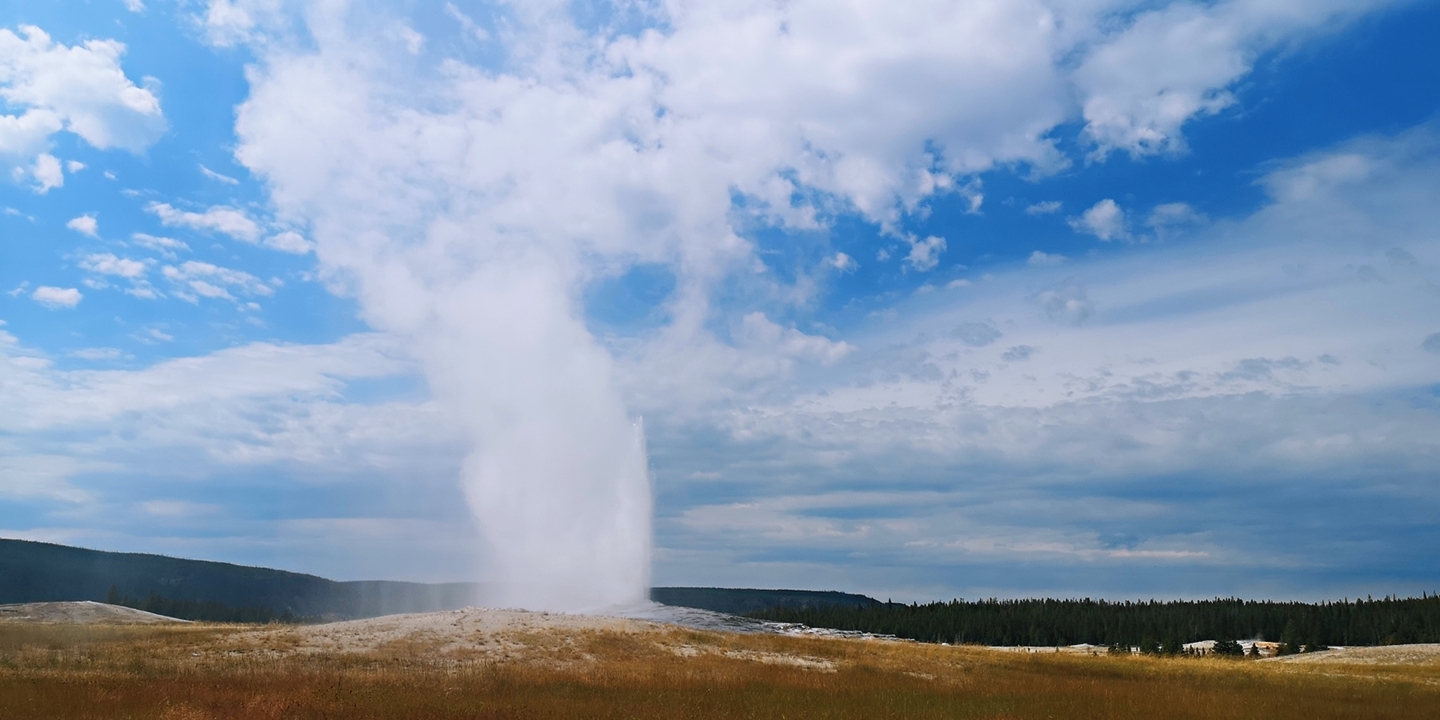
(1114, 423)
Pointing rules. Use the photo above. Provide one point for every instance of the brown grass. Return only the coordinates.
(203, 672)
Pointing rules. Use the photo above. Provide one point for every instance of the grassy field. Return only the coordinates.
(192, 672)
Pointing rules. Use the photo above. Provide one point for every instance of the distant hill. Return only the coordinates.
(203, 590)
(40, 572)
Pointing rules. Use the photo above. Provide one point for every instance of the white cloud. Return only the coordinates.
(207, 172)
(925, 254)
(227, 220)
(1178, 61)
(758, 330)
(200, 279)
(1047, 207)
(1170, 216)
(109, 264)
(1044, 259)
(54, 297)
(99, 353)
(163, 245)
(47, 172)
(80, 89)
(74, 166)
(289, 241)
(228, 22)
(132, 270)
(844, 263)
(1104, 220)
(135, 6)
(85, 225)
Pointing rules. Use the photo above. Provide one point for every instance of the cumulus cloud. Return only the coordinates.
(756, 329)
(112, 265)
(56, 297)
(85, 225)
(925, 254)
(289, 241)
(228, 22)
(225, 220)
(1104, 220)
(843, 263)
(167, 247)
(47, 173)
(79, 89)
(1178, 61)
(1048, 207)
(233, 222)
(1044, 259)
(194, 279)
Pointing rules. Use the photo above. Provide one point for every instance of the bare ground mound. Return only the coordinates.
(1420, 654)
(471, 635)
(84, 612)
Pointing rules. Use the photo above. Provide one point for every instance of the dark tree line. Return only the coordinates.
(203, 610)
(1146, 624)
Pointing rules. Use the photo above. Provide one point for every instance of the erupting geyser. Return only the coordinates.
(436, 210)
(559, 481)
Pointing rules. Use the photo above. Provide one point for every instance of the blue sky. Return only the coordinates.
(1121, 299)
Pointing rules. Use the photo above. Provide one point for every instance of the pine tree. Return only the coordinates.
(1228, 648)
(1289, 640)
(1171, 645)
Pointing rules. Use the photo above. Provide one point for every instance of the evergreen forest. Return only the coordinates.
(1147, 624)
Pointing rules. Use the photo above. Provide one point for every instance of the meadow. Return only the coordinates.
(185, 672)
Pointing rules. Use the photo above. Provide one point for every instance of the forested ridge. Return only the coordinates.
(1369, 621)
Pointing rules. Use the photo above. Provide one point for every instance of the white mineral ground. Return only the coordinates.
(494, 634)
(83, 612)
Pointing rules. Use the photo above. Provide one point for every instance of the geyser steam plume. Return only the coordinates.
(433, 208)
(559, 481)
(558, 478)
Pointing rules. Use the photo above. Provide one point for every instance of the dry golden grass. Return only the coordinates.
(201, 672)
